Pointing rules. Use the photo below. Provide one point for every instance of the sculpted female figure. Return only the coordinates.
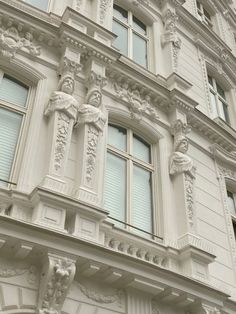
(179, 161)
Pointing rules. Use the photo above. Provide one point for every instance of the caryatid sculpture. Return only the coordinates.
(179, 161)
(91, 112)
(62, 109)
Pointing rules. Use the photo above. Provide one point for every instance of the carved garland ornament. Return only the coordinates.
(61, 139)
(100, 298)
(91, 152)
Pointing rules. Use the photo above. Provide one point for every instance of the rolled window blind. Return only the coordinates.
(141, 213)
(10, 123)
(115, 187)
(13, 91)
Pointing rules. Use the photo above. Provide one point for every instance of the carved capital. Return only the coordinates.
(57, 276)
(95, 80)
(179, 128)
(170, 19)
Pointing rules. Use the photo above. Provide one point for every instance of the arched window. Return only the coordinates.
(129, 179)
(13, 103)
(132, 39)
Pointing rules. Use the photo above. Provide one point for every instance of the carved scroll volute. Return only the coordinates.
(56, 278)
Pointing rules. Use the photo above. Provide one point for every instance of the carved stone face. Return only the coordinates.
(182, 146)
(67, 85)
(95, 98)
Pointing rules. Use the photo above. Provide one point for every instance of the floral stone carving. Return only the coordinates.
(65, 105)
(57, 277)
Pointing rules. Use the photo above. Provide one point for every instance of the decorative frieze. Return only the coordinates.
(11, 40)
(138, 105)
(136, 251)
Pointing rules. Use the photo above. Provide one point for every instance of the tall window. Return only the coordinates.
(219, 105)
(128, 182)
(40, 4)
(231, 200)
(131, 34)
(203, 14)
(13, 98)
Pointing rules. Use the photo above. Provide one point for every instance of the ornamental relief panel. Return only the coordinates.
(139, 105)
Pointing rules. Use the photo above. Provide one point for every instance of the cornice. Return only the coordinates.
(208, 40)
(212, 130)
(220, 154)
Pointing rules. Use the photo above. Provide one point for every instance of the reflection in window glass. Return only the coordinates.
(141, 150)
(40, 4)
(139, 26)
(139, 50)
(120, 13)
(121, 41)
(117, 137)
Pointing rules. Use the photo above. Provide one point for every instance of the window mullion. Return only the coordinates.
(129, 190)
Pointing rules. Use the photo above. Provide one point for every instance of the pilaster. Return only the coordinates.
(92, 118)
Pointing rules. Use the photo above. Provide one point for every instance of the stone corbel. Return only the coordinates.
(56, 278)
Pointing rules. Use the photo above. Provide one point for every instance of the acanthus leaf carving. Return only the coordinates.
(57, 277)
(93, 135)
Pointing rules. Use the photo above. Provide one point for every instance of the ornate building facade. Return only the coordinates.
(118, 157)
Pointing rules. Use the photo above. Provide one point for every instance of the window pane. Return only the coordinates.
(115, 187)
(141, 149)
(120, 13)
(40, 4)
(230, 202)
(223, 111)
(213, 105)
(121, 41)
(210, 81)
(207, 15)
(139, 50)
(141, 214)
(139, 26)
(220, 91)
(10, 123)
(13, 91)
(117, 137)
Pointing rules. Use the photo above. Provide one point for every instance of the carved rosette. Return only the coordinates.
(11, 41)
(57, 276)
